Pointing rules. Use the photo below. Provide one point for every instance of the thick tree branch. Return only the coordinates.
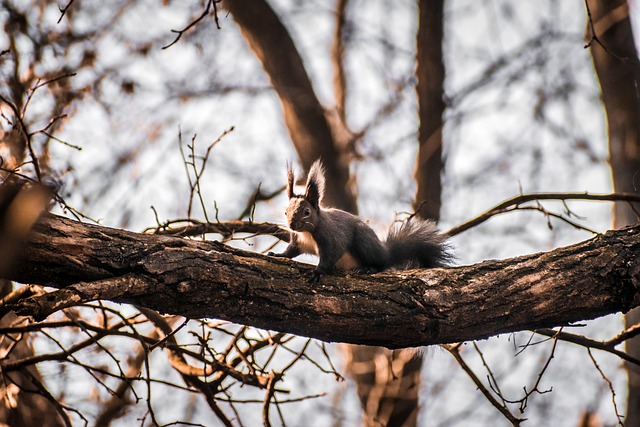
(411, 308)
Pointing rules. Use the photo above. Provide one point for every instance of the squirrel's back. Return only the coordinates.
(350, 234)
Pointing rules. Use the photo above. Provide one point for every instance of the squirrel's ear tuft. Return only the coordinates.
(315, 184)
(290, 181)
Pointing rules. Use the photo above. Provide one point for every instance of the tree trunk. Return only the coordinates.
(389, 381)
(304, 116)
(616, 62)
(404, 309)
(430, 92)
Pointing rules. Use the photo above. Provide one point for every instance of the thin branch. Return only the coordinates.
(63, 10)
(40, 84)
(12, 365)
(52, 121)
(72, 359)
(628, 333)
(291, 400)
(493, 383)
(41, 306)
(271, 389)
(26, 134)
(525, 400)
(550, 215)
(205, 12)
(258, 196)
(300, 355)
(227, 229)
(608, 381)
(190, 163)
(608, 346)
(168, 336)
(454, 350)
(333, 370)
(509, 204)
(68, 144)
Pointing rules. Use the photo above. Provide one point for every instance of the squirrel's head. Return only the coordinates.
(303, 210)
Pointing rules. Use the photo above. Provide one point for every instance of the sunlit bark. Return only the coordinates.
(403, 309)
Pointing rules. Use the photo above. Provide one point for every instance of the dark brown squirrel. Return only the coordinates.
(343, 240)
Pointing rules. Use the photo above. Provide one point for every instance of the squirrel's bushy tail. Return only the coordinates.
(417, 243)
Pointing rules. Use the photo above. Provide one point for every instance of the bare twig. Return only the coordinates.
(63, 10)
(210, 4)
(560, 217)
(527, 393)
(454, 350)
(258, 196)
(189, 227)
(628, 333)
(25, 133)
(493, 383)
(608, 346)
(55, 138)
(271, 389)
(190, 164)
(515, 203)
(40, 84)
(613, 392)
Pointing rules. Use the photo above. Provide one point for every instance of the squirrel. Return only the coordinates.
(343, 240)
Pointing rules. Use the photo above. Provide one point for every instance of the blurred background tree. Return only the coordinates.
(615, 57)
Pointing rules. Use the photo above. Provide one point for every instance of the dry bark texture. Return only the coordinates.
(615, 58)
(404, 309)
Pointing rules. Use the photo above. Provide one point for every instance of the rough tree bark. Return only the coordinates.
(616, 62)
(406, 309)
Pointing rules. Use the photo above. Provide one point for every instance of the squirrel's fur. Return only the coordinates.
(343, 240)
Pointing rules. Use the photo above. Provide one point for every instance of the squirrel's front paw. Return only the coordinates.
(315, 277)
(365, 270)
